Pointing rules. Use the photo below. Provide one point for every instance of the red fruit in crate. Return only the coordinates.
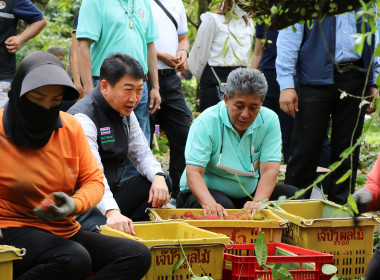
(245, 217)
(238, 214)
(197, 217)
(46, 202)
(187, 214)
(231, 218)
(174, 217)
(211, 217)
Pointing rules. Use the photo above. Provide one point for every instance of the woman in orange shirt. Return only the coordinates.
(45, 151)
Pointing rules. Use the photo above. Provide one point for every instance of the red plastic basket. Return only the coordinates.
(240, 262)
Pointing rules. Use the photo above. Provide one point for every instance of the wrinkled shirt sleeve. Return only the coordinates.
(288, 46)
(200, 51)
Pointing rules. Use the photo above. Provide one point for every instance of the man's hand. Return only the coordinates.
(214, 209)
(64, 207)
(169, 60)
(159, 192)
(13, 44)
(374, 94)
(182, 60)
(289, 101)
(154, 100)
(252, 206)
(363, 199)
(120, 222)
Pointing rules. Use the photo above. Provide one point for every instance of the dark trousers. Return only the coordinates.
(132, 198)
(316, 105)
(174, 119)
(271, 101)
(187, 200)
(51, 257)
(373, 268)
(208, 93)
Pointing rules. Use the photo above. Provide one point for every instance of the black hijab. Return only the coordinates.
(26, 123)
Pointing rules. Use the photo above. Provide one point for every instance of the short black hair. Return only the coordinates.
(117, 65)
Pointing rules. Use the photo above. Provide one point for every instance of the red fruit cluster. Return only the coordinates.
(239, 215)
(46, 202)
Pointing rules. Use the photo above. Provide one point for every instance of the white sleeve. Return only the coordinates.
(139, 152)
(200, 51)
(182, 25)
(107, 202)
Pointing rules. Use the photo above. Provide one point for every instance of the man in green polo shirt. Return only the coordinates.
(236, 136)
(125, 26)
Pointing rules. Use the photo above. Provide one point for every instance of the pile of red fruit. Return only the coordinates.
(47, 201)
(239, 215)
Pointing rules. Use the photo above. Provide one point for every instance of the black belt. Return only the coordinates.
(347, 66)
(166, 72)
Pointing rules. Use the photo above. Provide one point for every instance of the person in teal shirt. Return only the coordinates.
(236, 136)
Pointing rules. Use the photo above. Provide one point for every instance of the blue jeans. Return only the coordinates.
(142, 115)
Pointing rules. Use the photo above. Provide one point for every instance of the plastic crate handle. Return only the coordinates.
(287, 223)
(191, 244)
(149, 211)
(22, 252)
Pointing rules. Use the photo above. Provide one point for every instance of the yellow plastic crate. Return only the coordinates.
(239, 231)
(7, 255)
(315, 226)
(203, 249)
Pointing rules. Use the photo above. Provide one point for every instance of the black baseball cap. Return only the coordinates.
(46, 75)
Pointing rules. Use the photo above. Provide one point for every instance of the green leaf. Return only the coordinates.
(335, 164)
(319, 179)
(299, 193)
(294, 28)
(344, 177)
(274, 10)
(341, 208)
(228, 14)
(352, 203)
(261, 249)
(235, 16)
(235, 55)
(347, 152)
(333, 5)
(236, 39)
(224, 46)
(329, 269)
(281, 273)
(359, 44)
(377, 51)
(178, 264)
(316, 7)
(349, 210)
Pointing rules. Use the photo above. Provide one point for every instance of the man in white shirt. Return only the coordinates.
(106, 115)
(172, 50)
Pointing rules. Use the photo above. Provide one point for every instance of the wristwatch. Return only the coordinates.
(161, 174)
(187, 52)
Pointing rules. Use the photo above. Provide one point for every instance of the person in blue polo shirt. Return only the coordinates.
(235, 137)
(10, 12)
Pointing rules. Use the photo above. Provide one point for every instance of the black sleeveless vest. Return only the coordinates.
(112, 130)
(8, 25)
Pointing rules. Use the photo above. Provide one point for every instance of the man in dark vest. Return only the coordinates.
(10, 42)
(332, 77)
(106, 115)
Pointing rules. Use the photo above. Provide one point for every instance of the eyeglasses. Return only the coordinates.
(232, 170)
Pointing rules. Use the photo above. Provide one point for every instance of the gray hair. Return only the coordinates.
(246, 81)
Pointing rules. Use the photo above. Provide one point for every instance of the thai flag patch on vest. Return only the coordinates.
(105, 130)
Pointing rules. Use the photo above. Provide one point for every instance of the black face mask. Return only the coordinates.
(34, 125)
